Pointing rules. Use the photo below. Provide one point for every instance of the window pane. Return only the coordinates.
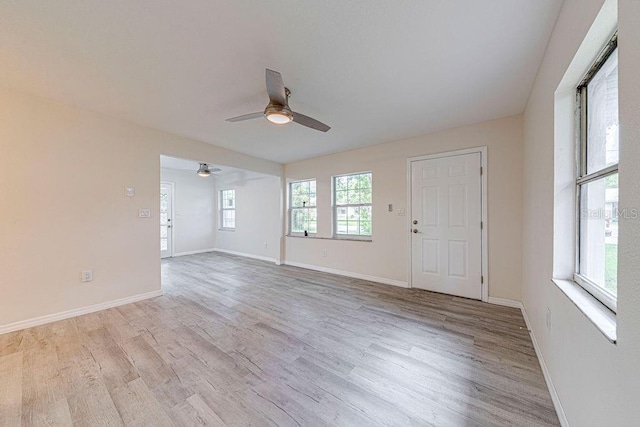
(352, 182)
(365, 213)
(365, 180)
(303, 194)
(353, 197)
(365, 195)
(228, 199)
(599, 232)
(303, 219)
(341, 183)
(312, 225)
(602, 116)
(297, 223)
(365, 228)
(229, 219)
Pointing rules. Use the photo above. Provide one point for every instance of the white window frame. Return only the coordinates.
(335, 206)
(584, 178)
(308, 207)
(223, 209)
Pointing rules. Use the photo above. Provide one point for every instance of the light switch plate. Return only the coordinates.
(129, 191)
(144, 213)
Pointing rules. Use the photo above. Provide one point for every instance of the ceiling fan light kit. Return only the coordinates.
(203, 170)
(278, 114)
(278, 110)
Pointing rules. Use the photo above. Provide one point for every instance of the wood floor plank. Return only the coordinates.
(11, 389)
(236, 341)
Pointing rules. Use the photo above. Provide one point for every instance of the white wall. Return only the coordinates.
(387, 256)
(598, 383)
(63, 209)
(258, 210)
(194, 216)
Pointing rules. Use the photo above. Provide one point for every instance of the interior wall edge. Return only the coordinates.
(376, 279)
(54, 317)
(248, 255)
(562, 417)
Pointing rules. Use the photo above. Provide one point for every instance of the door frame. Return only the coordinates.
(173, 208)
(483, 196)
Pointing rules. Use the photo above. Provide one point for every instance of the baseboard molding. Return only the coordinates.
(247, 255)
(562, 417)
(199, 251)
(49, 318)
(505, 302)
(376, 279)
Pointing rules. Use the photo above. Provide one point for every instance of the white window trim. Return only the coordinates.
(290, 210)
(223, 209)
(365, 237)
(583, 178)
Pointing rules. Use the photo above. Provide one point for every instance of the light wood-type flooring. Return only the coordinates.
(236, 341)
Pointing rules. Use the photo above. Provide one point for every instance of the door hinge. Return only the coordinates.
(481, 280)
(480, 170)
(481, 225)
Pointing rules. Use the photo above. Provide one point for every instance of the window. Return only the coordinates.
(303, 217)
(597, 181)
(352, 205)
(228, 209)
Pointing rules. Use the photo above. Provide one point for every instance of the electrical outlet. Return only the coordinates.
(324, 253)
(548, 318)
(87, 276)
(400, 212)
(144, 213)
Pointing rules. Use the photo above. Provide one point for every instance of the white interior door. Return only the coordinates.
(166, 207)
(446, 234)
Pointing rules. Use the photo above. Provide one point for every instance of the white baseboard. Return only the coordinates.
(376, 279)
(247, 255)
(562, 417)
(505, 302)
(199, 251)
(49, 318)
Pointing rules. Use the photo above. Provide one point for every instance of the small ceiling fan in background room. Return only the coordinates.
(278, 110)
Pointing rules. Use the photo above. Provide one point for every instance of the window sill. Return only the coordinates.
(226, 229)
(331, 238)
(602, 318)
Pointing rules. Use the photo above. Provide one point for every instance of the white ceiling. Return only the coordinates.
(228, 173)
(374, 70)
(175, 163)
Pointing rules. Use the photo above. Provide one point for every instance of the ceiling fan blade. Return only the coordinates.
(246, 117)
(309, 122)
(275, 87)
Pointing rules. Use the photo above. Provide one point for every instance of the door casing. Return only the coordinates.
(173, 208)
(485, 229)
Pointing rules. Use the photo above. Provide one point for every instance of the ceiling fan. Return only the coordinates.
(278, 110)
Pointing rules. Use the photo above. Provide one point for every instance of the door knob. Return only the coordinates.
(415, 221)
(415, 230)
